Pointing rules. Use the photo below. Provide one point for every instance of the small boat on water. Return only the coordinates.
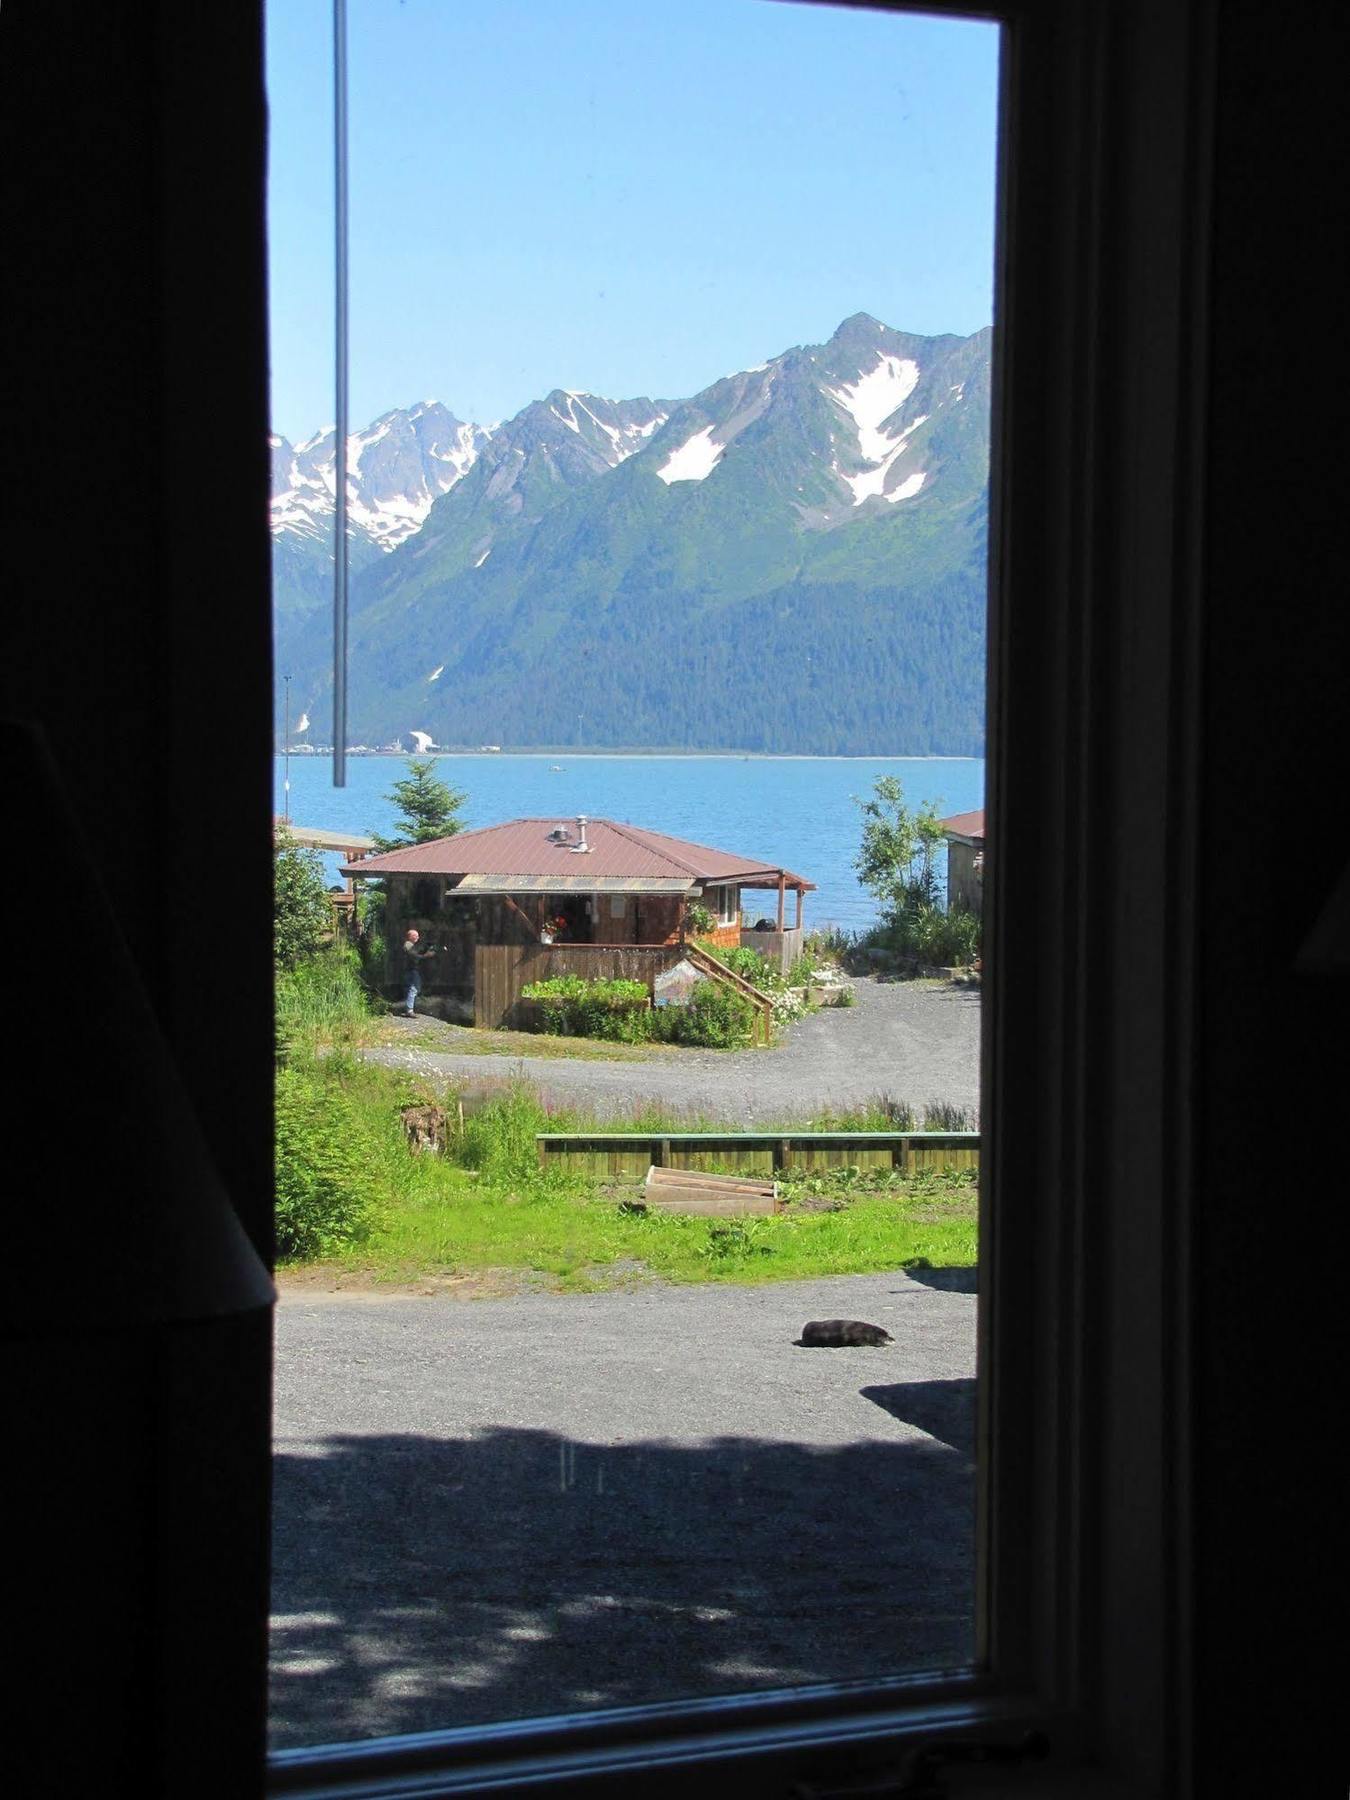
(556, 769)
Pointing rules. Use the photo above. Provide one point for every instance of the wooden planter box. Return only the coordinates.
(719, 1196)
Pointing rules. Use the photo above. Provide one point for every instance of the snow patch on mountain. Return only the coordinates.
(695, 459)
(397, 468)
(875, 397)
(603, 426)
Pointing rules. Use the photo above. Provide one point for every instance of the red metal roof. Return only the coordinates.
(969, 824)
(523, 847)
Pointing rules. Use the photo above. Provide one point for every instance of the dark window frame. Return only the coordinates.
(1175, 725)
(1092, 954)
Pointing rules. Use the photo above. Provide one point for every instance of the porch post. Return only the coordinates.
(782, 893)
(798, 925)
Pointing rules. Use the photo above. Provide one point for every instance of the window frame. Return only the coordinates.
(1093, 938)
(727, 905)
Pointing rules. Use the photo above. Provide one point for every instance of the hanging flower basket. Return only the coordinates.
(545, 937)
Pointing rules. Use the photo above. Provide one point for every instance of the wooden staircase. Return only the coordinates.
(762, 1031)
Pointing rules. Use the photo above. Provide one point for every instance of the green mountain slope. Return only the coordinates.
(784, 563)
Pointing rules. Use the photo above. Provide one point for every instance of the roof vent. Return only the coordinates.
(581, 846)
(558, 835)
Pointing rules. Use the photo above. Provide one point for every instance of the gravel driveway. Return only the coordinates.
(912, 1041)
(498, 1508)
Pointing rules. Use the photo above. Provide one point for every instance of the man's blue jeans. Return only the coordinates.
(414, 988)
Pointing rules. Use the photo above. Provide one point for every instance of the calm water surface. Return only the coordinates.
(794, 811)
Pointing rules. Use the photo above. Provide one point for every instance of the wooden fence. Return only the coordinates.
(755, 1152)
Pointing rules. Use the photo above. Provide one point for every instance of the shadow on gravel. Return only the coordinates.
(944, 1409)
(948, 1281)
(425, 1582)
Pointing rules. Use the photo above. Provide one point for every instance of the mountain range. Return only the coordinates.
(793, 560)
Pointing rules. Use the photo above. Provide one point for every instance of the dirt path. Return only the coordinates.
(910, 1041)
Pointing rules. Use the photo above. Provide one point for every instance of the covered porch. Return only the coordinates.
(778, 934)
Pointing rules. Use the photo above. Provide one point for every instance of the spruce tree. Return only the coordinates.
(429, 808)
(301, 915)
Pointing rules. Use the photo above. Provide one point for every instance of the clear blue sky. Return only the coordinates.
(624, 196)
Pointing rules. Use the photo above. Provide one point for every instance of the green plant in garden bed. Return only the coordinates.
(715, 1017)
(571, 1005)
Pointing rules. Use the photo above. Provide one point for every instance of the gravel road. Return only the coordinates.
(499, 1508)
(913, 1041)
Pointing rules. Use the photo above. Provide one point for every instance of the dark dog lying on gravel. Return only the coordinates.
(832, 1334)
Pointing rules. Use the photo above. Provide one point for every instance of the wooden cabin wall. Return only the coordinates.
(449, 977)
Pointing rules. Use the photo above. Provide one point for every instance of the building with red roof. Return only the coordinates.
(532, 898)
(965, 859)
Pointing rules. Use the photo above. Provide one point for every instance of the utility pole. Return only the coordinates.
(286, 752)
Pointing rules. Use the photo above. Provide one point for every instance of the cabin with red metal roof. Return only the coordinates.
(533, 898)
(964, 833)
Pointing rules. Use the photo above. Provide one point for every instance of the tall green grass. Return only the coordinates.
(487, 1205)
(323, 1002)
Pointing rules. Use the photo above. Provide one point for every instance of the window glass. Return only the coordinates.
(626, 1346)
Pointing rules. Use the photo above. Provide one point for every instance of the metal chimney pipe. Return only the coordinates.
(581, 832)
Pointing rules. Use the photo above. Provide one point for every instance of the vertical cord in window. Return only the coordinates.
(340, 386)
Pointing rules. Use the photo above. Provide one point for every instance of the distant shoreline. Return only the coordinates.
(626, 755)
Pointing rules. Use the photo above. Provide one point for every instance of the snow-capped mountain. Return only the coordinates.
(397, 468)
(550, 450)
(792, 559)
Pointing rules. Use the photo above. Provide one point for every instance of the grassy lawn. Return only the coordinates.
(363, 1210)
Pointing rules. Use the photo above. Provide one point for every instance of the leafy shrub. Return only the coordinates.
(847, 997)
(327, 1164)
(947, 939)
(716, 1017)
(788, 1002)
(746, 962)
(928, 935)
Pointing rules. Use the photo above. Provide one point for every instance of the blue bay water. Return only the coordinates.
(797, 812)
